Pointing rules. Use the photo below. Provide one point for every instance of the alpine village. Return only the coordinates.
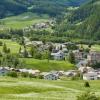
(49, 49)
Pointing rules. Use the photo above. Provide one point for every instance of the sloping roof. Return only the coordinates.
(82, 63)
(59, 53)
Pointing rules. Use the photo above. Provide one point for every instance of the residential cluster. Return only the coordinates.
(60, 51)
(40, 26)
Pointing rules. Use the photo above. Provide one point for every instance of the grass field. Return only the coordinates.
(96, 47)
(34, 89)
(93, 47)
(14, 47)
(44, 65)
(23, 20)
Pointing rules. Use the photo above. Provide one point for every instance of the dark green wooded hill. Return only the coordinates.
(10, 7)
(50, 7)
(89, 16)
(83, 22)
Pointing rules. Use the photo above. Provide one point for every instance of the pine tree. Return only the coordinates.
(20, 50)
(25, 53)
(86, 84)
(32, 51)
(71, 57)
(5, 50)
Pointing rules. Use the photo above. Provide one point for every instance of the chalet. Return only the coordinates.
(70, 73)
(41, 25)
(59, 73)
(35, 43)
(34, 72)
(50, 76)
(90, 76)
(82, 63)
(59, 46)
(65, 50)
(58, 56)
(28, 43)
(69, 43)
(93, 57)
(78, 55)
(86, 69)
(30, 71)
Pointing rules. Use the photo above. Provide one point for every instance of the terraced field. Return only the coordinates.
(34, 89)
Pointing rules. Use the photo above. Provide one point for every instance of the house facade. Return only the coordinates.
(58, 56)
(93, 57)
(50, 76)
(78, 55)
(90, 76)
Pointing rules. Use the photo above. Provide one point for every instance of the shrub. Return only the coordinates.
(0, 54)
(1, 43)
(32, 76)
(86, 84)
(24, 74)
(12, 74)
(88, 96)
(40, 76)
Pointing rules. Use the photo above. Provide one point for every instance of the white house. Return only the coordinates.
(78, 55)
(86, 69)
(58, 56)
(34, 72)
(30, 71)
(90, 76)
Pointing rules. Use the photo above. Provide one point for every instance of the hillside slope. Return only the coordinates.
(89, 16)
(51, 7)
(82, 23)
(10, 7)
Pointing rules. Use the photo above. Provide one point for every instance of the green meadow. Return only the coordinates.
(23, 20)
(35, 89)
(93, 47)
(44, 65)
(14, 47)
